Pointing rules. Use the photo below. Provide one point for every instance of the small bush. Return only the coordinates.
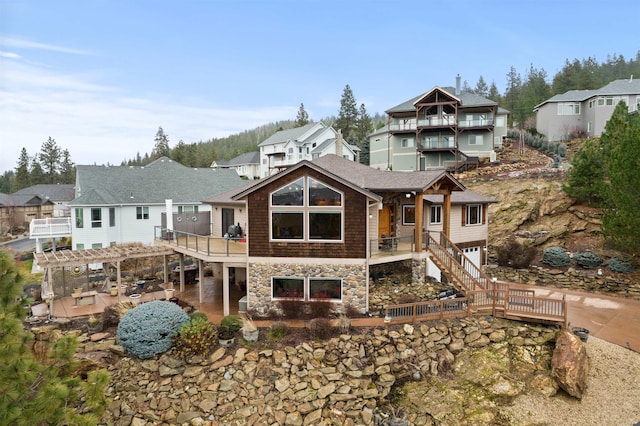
(515, 255)
(319, 309)
(556, 256)
(195, 337)
(292, 309)
(321, 328)
(231, 324)
(278, 330)
(588, 260)
(198, 315)
(351, 311)
(623, 266)
(148, 329)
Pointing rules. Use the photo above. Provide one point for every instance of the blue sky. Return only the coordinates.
(100, 77)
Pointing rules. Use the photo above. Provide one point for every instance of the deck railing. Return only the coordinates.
(390, 246)
(50, 227)
(204, 244)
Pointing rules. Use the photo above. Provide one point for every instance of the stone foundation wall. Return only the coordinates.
(354, 288)
(573, 279)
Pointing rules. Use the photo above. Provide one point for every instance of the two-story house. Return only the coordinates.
(60, 194)
(444, 128)
(18, 210)
(314, 229)
(247, 165)
(121, 204)
(287, 147)
(585, 111)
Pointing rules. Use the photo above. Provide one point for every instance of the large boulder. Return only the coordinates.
(570, 364)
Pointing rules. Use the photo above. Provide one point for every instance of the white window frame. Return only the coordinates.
(406, 142)
(306, 282)
(435, 215)
(96, 222)
(478, 215)
(142, 213)
(473, 140)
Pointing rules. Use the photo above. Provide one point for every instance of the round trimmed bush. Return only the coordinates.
(148, 329)
(556, 256)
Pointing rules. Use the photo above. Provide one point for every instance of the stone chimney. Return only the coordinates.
(339, 142)
(457, 84)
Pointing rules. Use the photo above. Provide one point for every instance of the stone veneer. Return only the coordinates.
(354, 282)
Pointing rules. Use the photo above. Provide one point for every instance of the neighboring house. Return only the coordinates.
(18, 210)
(584, 111)
(247, 165)
(288, 147)
(115, 205)
(441, 129)
(314, 229)
(59, 194)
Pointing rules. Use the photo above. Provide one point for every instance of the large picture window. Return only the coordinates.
(306, 289)
(306, 209)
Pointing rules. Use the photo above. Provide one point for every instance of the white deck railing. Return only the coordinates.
(50, 227)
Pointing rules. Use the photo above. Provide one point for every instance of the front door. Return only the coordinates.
(386, 221)
(227, 220)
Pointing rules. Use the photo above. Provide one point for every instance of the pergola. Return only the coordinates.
(113, 255)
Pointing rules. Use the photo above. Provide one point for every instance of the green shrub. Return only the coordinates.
(278, 330)
(231, 324)
(588, 260)
(515, 255)
(198, 316)
(148, 329)
(556, 256)
(195, 337)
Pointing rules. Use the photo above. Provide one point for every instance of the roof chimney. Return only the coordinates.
(457, 84)
(339, 142)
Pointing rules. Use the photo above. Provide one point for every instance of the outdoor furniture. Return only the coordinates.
(86, 298)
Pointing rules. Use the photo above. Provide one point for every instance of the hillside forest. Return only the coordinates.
(53, 163)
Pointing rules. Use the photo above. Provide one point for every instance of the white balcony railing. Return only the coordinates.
(50, 227)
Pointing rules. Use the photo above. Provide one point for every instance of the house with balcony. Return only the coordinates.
(585, 111)
(247, 165)
(314, 230)
(444, 128)
(287, 147)
(122, 204)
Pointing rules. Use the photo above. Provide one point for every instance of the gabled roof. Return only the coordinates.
(466, 99)
(55, 192)
(152, 184)
(627, 86)
(370, 181)
(246, 158)
(288, 134)
(22, 200)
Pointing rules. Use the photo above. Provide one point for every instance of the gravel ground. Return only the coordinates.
(612, 396)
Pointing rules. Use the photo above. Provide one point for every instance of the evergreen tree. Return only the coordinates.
(514, 86)
(50, 159)
(67, 168)
(161, 147)
(36, 174)
(302, 118)
(22, 171)
(40, 392)
(364, 125)
(481, 88)
(620, 220)
(348, 114)
(493, 93)
(584, 179)
(7, 182)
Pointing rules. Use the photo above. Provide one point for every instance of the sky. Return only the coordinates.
(101, 76)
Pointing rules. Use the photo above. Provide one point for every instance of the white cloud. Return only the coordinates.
(26, 44)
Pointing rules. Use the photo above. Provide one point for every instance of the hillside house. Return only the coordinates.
(247, 165)
(288, 147)
(444, 128)
(585, 112)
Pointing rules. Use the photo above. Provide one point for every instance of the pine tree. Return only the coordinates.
(36, 174)
(585, 178)
(620, 221)
(302, 118)
(67, 168)
(161, 147)
(50, 159)
(22, 171)
(493, 93)
(348, 114)
(481, 88)
(40, 392)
